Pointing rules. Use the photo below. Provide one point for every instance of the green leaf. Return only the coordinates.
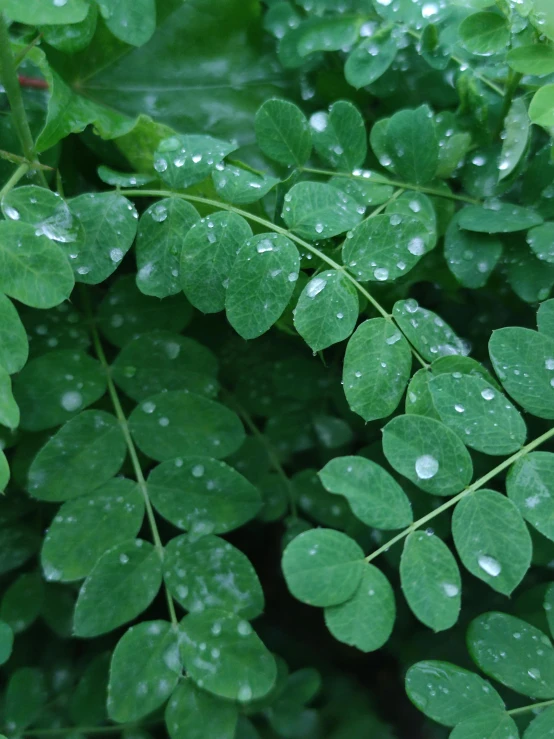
(370, 60)
(37, 12)
(218, 498)
(61, 327)
(261, 283)
(366, 620)
(377, 367)
(483, 418)
(541, 239)
(498, 217)
(181, 423)
(283, 133)
(19, 541)
(412, 145)
(323, 567)
(450, 694)
(182, 161)
(85, 528)
(132, 21)
(123, 179)
(222, 654)
(327, 310)
(492, 539)
(43, 209)
(513, 652)
(327, 34)
(384, 247)
(524, 362)
(33, 269)
(22, 601)
(516, 132)
(122, 584)
(532, 59)
(211, 573)
(193, 713)
(25, 697)
(428, 453)
(209, 251)
(88, 702)
(4, 472)
(431, 580)
(339, 136)
(126, 313)
(144, 671)
(545, 318)
(6, 642)
(374, 496)
(240, 186)
(416, 205)
(14, 345)
(160, 361)
(484, 33)
(366, 193)
(109, 224)
(497, 725)
(54, 387)
(73, 37)
(427, 332)
(9, 411)
(529, 486)
(471, 257)
(541, 726)
(84, 454)
(315, 210)
(541, 109)
(159, 241)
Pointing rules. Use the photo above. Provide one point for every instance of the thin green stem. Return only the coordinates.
(277, 229)
(23, 53)
(467, 491)
(16, 159)
(531, 707)
(20, 172)
(8, 75)
(513, 83)
(379, 179)
(270, 451)
(112, 391)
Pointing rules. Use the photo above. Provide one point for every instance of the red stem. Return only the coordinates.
(34, 82)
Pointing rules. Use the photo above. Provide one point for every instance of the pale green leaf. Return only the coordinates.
(431, 580)
(370, 60)
(427, 453)
(283, 133)
(181, 423)
(315, 210)
(339, 136)
(515, 138)
(323, 567)
(14, 345)
(37, 12)
(196, 714)
(218, 498)
(374, 496)
(497, 217)
(545, 318)
(223, 654)
(494, 725)
(541, 109)
(161, 231)
(261, 283)
(43, 209)
(530, 485)
(492, 539)
(54, 387)
(377, 367)
(85, 528)
(85, 453)
(144, 670)
(412, 145)
(542, 726)
(513, 652)
(240, 186)
(33, 269)
(123, 583)
(532, 59)
(211, 573)
(123, 179)
(327, 34)
(541, 241)
(73, 37)
(484, 33)
(327, 310)
(182, 161)
(131, 21)
(366, 620)
(208, 253)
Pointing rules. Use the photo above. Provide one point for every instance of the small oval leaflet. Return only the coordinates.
(427, 453)
(223, 655)
(374, 496)
(427, 331)
(184, 160)
(530, 485)
(196, 714)
(323, 567)
(217, 499)
(513, 652)
(315, 210)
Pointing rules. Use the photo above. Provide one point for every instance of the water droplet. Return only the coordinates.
(490, 565)
(487, 393)
(450, 590)
(426, 467)
(72, 400)
(381, 274)
(198, 470)
(318, 121)
(315, 286)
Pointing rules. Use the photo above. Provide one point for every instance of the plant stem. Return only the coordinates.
(20, 172)
(23, 53)
(531, 707)
(278, 229)
(16, 159)
(467, 491)
(272, 455)
(112, 391)
(513, 84)
(8, 75)
(379, 179)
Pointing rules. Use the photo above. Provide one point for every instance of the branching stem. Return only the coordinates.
(531, 707)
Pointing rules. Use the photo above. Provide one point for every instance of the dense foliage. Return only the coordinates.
(277, 368)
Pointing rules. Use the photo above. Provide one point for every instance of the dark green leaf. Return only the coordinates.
(497, 725)
(327, 34)
(24, 698)
(43, 209)
(529, 486)
(6, 642)
(182, 161)
(132, 21)
(240, 186)
(315, 210)
(412, 145)
(497, 217)
(542, 726)
(196, 714)
(22, 602)
(339, 136)
(370, 60)
(283, 133)
(471, 257)
(430, 335)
